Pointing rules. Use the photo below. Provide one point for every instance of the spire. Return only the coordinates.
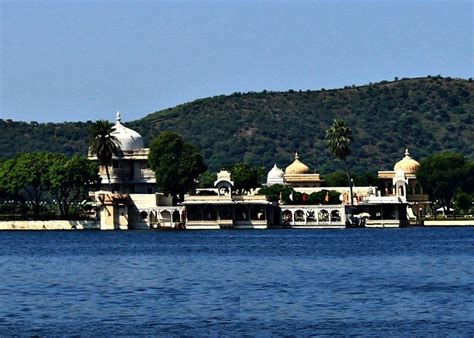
(118, 118)
(296, 156)
(407, 154)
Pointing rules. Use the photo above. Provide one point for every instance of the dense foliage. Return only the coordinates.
(176, 164)
(288, 195)
(246, 177)
(70, 180)
(32, 179)
(277, 192)
(27, 173)
(445, 174)
(207, 179)
(70, 138)
(425, 114)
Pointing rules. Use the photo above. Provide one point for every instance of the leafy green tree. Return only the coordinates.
(277, 192)
(71, 180)
(339, 140)
(246, 177)
(5, 195)
(463, 201)
(317, 197)
(28, 173)
(325, 197)
(468, 187)
(177, 164)
(287, 195)
(366, 179)
(2, 189)
(336, 179)
(104, 145)
(443, 174)
(207, 179)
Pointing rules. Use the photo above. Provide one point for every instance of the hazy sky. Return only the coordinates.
(84, 60)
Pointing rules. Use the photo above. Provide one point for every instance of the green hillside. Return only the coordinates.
(424, 114)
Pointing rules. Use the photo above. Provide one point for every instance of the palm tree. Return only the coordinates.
(104, 145)
(339, 139)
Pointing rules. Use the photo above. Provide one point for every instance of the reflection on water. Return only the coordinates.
(272, 282)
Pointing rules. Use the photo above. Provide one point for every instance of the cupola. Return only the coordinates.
(297, 167)
(129, 139)
(408, 165)
(275, 176)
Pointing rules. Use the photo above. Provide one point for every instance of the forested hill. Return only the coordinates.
(424, 114)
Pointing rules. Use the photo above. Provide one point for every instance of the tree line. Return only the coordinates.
(29, 181)
(448, 177)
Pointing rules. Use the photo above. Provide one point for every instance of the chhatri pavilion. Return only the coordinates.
(402, 182)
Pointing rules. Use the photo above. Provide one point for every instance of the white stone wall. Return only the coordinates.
(48, 225)
(448, 223)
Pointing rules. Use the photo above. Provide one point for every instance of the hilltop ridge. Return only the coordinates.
(424, 114)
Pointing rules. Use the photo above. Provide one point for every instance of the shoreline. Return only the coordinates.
(61, 225)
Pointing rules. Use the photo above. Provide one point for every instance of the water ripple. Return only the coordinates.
(227, 283)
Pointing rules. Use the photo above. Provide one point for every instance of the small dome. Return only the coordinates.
(275, 176)
(297, 167)
(408, 165)
(129, 139)
(223, 176)
(275, 173)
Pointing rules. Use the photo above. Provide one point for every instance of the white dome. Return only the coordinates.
(275, 176)
(129, 139)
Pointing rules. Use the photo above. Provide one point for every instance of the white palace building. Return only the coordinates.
(138, 205)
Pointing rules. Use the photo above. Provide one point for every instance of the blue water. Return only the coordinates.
(255, 283)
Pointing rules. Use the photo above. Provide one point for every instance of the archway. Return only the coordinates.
(287, 216)
(335, 216)
(323, 215)
(299, 216)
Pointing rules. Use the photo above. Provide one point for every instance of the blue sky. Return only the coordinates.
(84, 60)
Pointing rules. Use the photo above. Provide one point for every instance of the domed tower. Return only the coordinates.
(224, 183)
(130, 172)
(129, 139)
(401, 182)
(408, 165)
(297, 167)
(275, 176)
(297, 174)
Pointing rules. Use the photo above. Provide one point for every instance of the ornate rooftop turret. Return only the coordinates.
(275, 176)
(408, 165)
(297, 167)
(129, 139)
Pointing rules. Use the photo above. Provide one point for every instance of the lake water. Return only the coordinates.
(259, 283)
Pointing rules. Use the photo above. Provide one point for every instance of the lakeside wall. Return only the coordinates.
(448, 223)
(50, 225)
